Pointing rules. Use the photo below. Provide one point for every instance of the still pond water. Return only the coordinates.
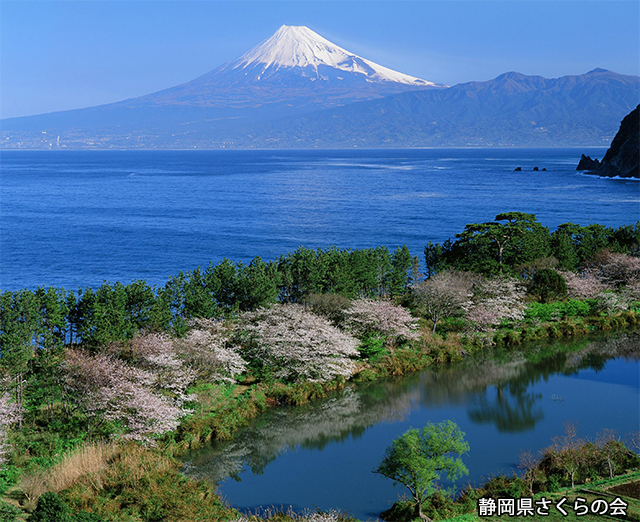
(321, 455)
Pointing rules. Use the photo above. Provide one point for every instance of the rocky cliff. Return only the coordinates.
(623, 157)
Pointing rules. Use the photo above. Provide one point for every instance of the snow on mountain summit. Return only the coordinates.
(299, 46)
(296, 70)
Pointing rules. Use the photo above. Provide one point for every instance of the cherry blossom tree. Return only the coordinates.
(379, 317)
(9, 413)
(157, 354)
(208, 349)
(444, 294)
(586, 285)
(106, 389)
(495, 300)
(568, 451)
(529, 463)
(288, 342)
(616, 269)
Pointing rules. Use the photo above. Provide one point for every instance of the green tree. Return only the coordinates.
(548, 285)
(222, 280)
(257, 284)
(419, 457)
(102, 315)
(563, 246)
(19, 332)
(53, 317)
(515, 237)
(401, 264)
(434, 258)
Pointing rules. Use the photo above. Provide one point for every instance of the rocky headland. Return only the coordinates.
(623, 157)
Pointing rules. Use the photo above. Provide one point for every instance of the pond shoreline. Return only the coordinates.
(613, 343)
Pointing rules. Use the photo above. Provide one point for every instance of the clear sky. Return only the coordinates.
(58, 55)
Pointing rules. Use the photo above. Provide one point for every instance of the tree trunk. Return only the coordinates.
(420, 514)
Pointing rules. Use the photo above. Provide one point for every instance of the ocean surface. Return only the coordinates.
(76, 218)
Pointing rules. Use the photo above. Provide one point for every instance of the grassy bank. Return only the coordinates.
(625, 487)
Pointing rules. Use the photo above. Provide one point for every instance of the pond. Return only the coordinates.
(321, 455)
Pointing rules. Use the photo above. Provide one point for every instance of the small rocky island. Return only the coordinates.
(623, 157)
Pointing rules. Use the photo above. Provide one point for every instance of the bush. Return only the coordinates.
(576, 308)
(8, 513)
(372, 347)
(85, 516)
(330, 306)
(547, 285)
(501, 486)
(545, 312)
(8, 477)
(51, 508)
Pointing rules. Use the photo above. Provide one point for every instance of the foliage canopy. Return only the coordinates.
(419, 457)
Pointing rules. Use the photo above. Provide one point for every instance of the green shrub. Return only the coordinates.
(401, 511)
(547, 285)
(372, 347)
(8, 513)
(576, 308)
(8, 477)
(542, 312)
(85, 516)
(51, 508)
(503, 486)
(513, 337)
(553, 484)
(530, 334)
(545, 312)
(330, 306)
(452, 324)
(553, 330)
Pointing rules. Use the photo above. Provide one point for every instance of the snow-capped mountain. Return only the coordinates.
(299, 46)
(297, 89)
(295, 67)
(294, 72)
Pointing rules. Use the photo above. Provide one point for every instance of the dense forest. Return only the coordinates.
(516, 244)
(107, 374)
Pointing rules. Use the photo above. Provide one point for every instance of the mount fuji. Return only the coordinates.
(296, 67)
(298, 90)
(293, 72)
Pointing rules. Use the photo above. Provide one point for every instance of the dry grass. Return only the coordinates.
(85, 462)
(136, 462)
(440, 349)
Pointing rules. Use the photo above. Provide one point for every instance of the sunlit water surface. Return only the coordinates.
(71, 219)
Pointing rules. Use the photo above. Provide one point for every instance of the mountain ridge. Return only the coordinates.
(510, 110)
(297, 89)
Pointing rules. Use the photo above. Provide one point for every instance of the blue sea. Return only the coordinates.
(77, 218)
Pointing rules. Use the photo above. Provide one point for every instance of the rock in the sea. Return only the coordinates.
(623, 157)
(517, 169)
(586, 163)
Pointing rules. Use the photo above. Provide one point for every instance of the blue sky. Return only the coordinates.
(58, 55)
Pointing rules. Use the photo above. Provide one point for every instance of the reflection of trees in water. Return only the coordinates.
(510, 406)
(312, 427)
(596, 354)
(511, 412)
